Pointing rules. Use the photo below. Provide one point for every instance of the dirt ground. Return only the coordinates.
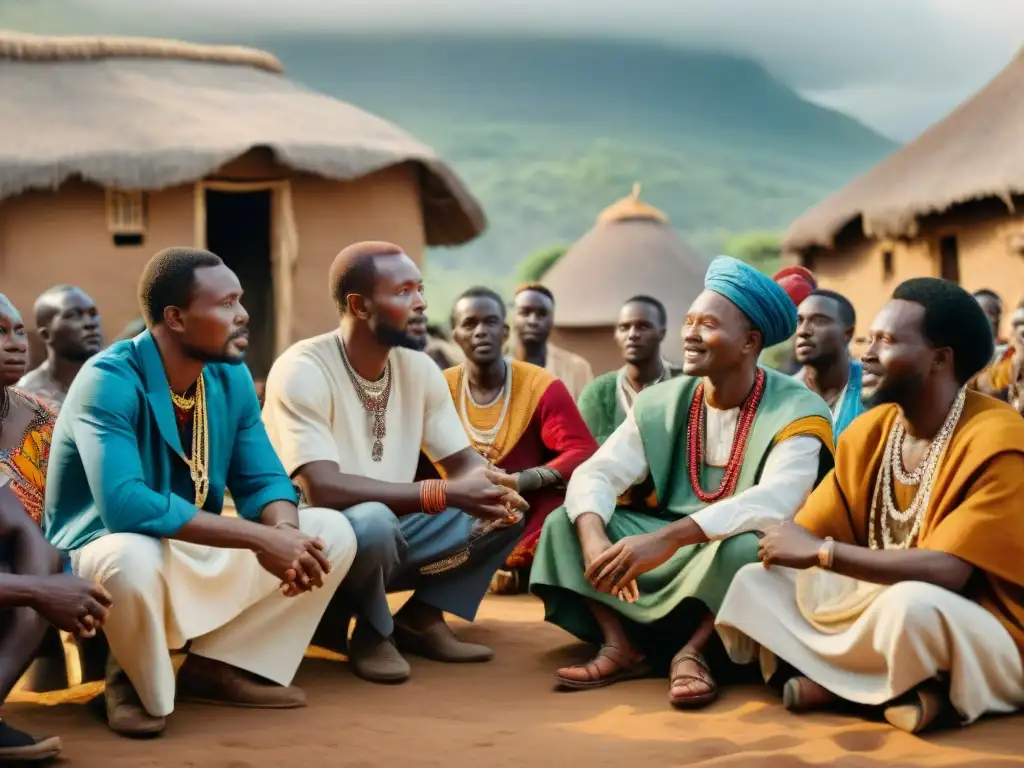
(506, 714)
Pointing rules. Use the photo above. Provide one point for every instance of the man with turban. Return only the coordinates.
(723, 451)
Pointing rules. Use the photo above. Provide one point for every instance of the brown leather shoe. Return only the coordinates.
(209, 681)
(376, 658)
(125, 714)
(439, 643)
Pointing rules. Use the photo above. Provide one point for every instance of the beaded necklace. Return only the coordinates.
(374, 396)
(483, 439)
(695, 442)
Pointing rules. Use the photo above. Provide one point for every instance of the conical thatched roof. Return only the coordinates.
(136, 113)
(976, 152)
(631, 250)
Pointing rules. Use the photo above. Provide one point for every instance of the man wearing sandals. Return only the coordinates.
(349, 412)
(901, 582)
(716, 454)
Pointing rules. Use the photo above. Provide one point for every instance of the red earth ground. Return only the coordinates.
(507, 714)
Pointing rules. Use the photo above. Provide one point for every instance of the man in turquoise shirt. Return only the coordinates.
(153, 432)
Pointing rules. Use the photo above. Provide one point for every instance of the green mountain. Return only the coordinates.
(547, 132)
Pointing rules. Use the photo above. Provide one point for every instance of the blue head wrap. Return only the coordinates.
(759, 297)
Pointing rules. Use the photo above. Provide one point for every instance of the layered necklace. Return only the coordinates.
(199, 462)
(374, 396)
(695, 442)
(483, 439)
(923, 477)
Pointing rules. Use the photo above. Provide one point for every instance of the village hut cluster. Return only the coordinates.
(945, 205)
(115, 148)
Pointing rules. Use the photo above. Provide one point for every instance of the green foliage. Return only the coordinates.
(758, 249)
(533, 267)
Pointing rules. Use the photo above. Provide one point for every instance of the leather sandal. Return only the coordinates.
(691, 701)
(801, 694)
(625, 669)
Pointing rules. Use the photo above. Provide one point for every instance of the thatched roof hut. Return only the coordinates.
(944, 204)
(154, 127)
(632, 249)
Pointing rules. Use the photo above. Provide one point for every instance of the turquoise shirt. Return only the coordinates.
(116, 463)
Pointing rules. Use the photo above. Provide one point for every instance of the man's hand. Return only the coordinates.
(485, 493)
(297, 559)
(620, 565)
(71, 604)
(594, 542)
(790, 545)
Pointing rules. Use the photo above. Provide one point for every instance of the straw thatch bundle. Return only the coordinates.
(974, 153)
(147, 114)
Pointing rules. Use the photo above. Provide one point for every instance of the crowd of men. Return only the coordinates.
(683, 520)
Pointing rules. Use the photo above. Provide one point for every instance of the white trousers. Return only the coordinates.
(166, 593)
(909, 633)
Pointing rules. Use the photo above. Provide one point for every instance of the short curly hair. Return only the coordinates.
(168, 280)
(954, 319)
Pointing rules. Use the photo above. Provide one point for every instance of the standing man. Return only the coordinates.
(349, 412)
(730, 448)
(532, 324)
(153, 432)
(519, 417)
(68, 323)
(825, 325)
(901, 582)
(639, 334)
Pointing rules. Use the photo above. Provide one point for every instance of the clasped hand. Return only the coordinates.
(790, 545)
(616, 569)
(294, 557)
(490, 495)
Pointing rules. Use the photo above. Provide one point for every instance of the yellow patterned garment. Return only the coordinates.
(26, 463)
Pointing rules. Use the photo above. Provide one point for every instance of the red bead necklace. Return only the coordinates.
(695, 440)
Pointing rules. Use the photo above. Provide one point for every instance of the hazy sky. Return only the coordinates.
(896, 64)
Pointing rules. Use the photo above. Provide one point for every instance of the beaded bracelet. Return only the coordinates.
(433, 496)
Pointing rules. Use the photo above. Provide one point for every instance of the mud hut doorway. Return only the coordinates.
(238, 229)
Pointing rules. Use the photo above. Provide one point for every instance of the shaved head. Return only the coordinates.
(68, 322)
(353, 270)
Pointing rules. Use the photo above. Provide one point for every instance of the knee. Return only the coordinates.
(334, 530)
(910, 604)
(377, 529)
(125, 563)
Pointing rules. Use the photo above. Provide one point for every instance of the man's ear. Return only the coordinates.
(359, 306)
(174, 319)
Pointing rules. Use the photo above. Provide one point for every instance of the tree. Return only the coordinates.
(533, 267)
(758, 249)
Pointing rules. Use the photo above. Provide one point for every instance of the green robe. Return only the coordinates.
(601, 406)
(700, 572)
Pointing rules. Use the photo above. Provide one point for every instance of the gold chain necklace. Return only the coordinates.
(199, 464)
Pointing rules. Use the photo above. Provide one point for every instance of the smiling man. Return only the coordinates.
(901, 582)
(825, 325)
(68, 323)
(519, 417)
(349, 412)
(639, 333)
(728, 448)
(534, 318)
(154, 430)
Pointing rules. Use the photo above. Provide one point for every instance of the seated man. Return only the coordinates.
(825, 324)
(33, 594)
(68, 323)
(530, 426)
(904, 568)
(349, 412)
(639, 334)
(728, 449)
(153, 432)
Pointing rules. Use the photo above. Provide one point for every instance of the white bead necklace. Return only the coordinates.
(926, 472)
(485, 437)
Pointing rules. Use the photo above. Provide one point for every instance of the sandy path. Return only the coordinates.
(506, 714)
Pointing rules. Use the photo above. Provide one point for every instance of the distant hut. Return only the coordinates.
(113, 148)
(631, 250)
(946, 205)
